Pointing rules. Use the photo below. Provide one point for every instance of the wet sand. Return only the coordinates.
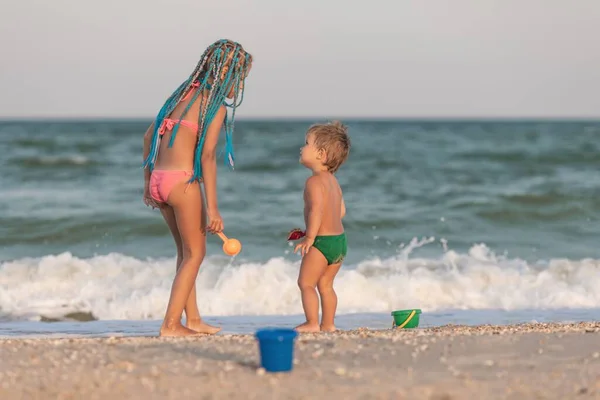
(531, 361)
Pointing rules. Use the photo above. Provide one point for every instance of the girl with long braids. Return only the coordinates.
(174, 169)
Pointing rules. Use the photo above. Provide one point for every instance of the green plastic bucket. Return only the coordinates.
(406, 319)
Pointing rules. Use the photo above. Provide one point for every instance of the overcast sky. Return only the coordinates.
(315, 58)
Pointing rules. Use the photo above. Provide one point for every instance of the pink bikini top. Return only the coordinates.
(168, 124)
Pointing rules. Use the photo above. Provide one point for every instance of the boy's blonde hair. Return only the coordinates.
(333, 138)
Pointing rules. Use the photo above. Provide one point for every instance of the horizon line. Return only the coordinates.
(313, 118)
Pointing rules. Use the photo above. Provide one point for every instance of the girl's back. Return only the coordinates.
(180, 156)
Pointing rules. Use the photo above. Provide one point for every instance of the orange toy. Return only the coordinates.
(231, 247)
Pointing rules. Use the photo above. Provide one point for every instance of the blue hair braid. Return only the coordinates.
(213, 88)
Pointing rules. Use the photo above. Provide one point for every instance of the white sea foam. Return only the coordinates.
(116, 286)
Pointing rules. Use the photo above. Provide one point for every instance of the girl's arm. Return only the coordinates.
(147, 198)
(209, 170)
(147, 144)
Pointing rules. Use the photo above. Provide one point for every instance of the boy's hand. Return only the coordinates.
(296, 234)
(304, 245)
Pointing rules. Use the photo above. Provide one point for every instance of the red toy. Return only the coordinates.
(296, 234)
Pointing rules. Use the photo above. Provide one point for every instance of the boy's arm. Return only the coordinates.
(147, 143)
(313, 197)
(343, 213)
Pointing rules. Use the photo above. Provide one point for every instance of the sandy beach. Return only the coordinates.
(530, 361)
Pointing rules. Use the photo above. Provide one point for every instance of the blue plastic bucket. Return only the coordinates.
(276, 349)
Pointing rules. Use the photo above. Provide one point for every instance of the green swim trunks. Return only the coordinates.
(333, 247)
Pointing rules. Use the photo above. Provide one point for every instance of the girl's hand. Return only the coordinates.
(304, 245)
(215, 224)
(148, 200)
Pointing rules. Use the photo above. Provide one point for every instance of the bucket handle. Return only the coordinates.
(412, 314)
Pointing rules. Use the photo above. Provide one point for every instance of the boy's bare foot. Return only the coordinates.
(308, 328)
(176, 329)
(328, 328)
(201, 327)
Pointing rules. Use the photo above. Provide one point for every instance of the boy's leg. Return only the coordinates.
(328, 297)
(313, 266)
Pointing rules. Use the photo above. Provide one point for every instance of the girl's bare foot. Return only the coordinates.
(308, 328)
(176, 329)
(328, 328)
(201, 327)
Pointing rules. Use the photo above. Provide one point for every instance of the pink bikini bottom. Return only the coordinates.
(162, 182)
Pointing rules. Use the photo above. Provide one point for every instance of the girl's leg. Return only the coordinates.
(195, 322)
(328, 297)
(188, 209)
(311, 270)
(191, 307)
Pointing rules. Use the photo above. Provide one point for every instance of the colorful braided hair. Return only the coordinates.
(222, 68)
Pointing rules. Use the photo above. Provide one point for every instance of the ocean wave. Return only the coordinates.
(116, 286)
(64, 161)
